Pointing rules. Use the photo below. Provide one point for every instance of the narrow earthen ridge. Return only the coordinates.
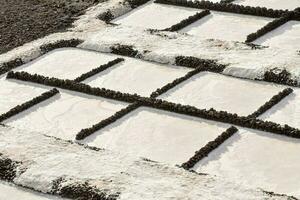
(269, 27)
(118, 115)
(272, 102)
(188, 21)
(79, 190)
(190, 74)
(8, 168)
(273, 194)
(124, 50)
(223, 7)
(74, 86)
(98, 69)
(6, 67)
(211, 114)
(209, 147)
(193, 62)
(280, 76)
(36, 100)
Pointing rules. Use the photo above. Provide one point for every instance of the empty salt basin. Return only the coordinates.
(155, 16)
(274, 4)
(286, 36)
(257, 159)
(13, 93)
(12, 192)
(226, 26)
(157, 135)
(66, 63)
(137, 76)
(287, 111)
(65, 114)
(209, 90)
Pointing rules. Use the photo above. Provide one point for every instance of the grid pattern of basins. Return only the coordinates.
(172, 114)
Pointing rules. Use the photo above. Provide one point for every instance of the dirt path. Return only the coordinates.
(25, 20)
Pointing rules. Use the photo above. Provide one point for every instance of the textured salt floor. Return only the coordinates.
(11, 192)
(226, 26)
(286, 36)
(13, 93)
(287, 111)
(258, 159)
(209, 90)
(275, 4)
(157, 135)
(137, 76)
(66, 63)
(65, 114)
(156, 16)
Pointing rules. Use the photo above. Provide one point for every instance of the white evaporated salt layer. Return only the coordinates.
(286, 36)
(155, 16)
(46, 159)
(13, 93)
(66, 63)
(275, 4)
(226, 26)
(137, 76)
(287, 111)
(209, 90)
(12, 192)
(157, 135)
(65, 114)
(259, 159)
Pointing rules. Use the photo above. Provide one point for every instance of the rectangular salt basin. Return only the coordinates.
(157, 135)
(11, 192)
(226, 26)
(257, 159)
(66, 63)
(13, 93)
(155, 16)
(274, 4)
(209, 90)
(285, 36)
(65, 114)
(137, 76)
(287, 111)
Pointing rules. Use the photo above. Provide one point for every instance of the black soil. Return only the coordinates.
(22, 21)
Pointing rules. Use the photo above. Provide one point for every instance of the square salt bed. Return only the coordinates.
(209, 90)
(12, 192)
(287, 111)
(65, 114)
(274, 4)
(286, 36)
(13, 93)
(157, 135)
(257, 159)
(226, 26)
(137, 76)
(66, 63)
(155, 16)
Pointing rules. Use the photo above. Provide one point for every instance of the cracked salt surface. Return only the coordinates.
(155, 16)
(137, 76)
(210, 90)
(287, 111)
(66, 63)
(259, 159)
(13, 93)
(157, 135)
(65, 114)
(12, 192)
(275, 4)
(226, 26)
(286, 36)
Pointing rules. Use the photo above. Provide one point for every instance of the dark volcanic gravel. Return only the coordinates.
(22, 21)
